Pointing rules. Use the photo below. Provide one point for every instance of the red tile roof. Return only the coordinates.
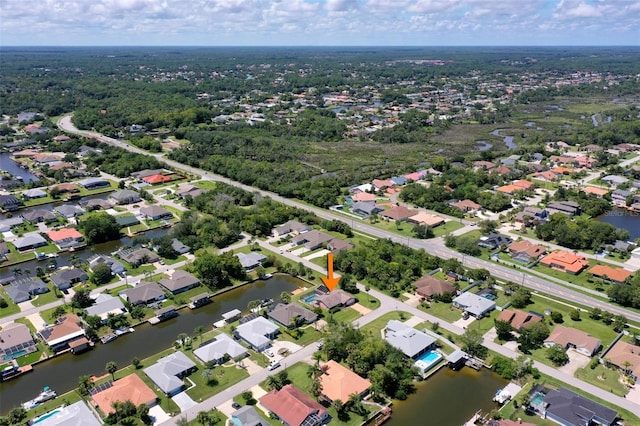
(129, 388)
(565, 261)
(619, 275)
(518, 319)
(62, 234)
(338, 382)
(292, 405)
(158, 178)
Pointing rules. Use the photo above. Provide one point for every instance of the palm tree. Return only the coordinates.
(316, 388)
(111, 368)
(273, 383)
(83, 384)
(285, 296)
(314, 371)
(203, 418)
(182, 337)
(207, 374)
(197, 332)
(182, 421)
(17, 271)
(40, 272)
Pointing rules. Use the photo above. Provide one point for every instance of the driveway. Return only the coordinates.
(158, 415)
(412, 299)
(491, 334)
(464, 323)
(321, 253)
(361, 309)
(279, 345)
(183, 401)
(576, 360)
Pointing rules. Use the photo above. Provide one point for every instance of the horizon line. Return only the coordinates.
(315, 45)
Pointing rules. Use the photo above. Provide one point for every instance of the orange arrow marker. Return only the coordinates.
(331, 282)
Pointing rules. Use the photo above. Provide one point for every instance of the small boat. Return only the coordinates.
(51, 255)
(40, 255)
(44, 396)
(109, 337)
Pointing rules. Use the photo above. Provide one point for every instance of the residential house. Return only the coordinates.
(410, 341)
(9, 202)
(39, 215)
(426, 219)
(565, 261)
(525, 251)
(568, 337)
(85, 151)
(156, 179)
(626, 357)
(294, 407)
(507, 422)
(66, 329)
(482, 164)
(592, 190)
(363, 197)
(187, 189)
(337, 245)
(474, 305)
(125, 196)
(140, 175)
(619, 197)
(615, 180)
(138, 256)
(105, 305)
(429, 286)
(34, 193)
(546, 175)
(493, 241)
(167, 373)
(290, 227)
(73, 414)
(467, 206)
(400, 213)
(334, 299)
(65, 278)
(247, 416)
(519, 319)
(365, 187)
(29, 241)
(399, 180)
(530, 215)
(311, 240)
(21, 290)
(98, 204)
(67, 188)
(570, 208)
(365, 208)
(126, 220)
(116, 267)
(518, 185)
(66, 237)
(9, 223)
(340, 384)
(16, 340)
(69, 211)
(222, 347)
(291, 314)
(180, 281)
(94, 183)
(250, 261)
(129, 388)
(616, 275)
(143, 293)
(566, 407)
(258, 333)
(419, 175)
(4, 250)
(179, 247)
(380, 184)
(156, 213)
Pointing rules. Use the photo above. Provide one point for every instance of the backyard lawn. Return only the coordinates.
(446, 311)
(378, 324)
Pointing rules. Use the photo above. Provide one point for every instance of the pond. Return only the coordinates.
(10, 166)
(623, 219)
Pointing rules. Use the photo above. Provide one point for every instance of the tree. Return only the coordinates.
(273, 383)
(101, 274)
(521, 298)
(17, 415)
(197, 332)
(182, 421)
(315, 388)
(607, 317)
(533, 336)
(285, 296)
(203, 418)
(143, 412)
(472, 343)
(423, 232)
(557, 355)
(557, 317)
(183, 338)
(136, 363)
(82, 298)
(111, 368)
(487, 226)
(58, 312)
(503, 329)
(619, 323)
(595, 313)
(84, 383)
(575, 314)
(99, 227)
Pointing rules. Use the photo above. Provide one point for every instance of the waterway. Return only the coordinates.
(448, 398)
(61, 373)
(508, 140)
(10, 166)
(623, 219)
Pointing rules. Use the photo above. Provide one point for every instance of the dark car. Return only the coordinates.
(235, 405)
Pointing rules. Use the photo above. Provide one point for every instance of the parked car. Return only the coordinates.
(269, 353)
(235, 405)
(273, 365)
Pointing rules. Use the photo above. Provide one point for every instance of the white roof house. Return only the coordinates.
(258, 333)
(167, 373)
(76, 414)
(106, 304)
(473, 304)
(216, 350)
(409, 340)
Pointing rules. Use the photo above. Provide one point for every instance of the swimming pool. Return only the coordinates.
(537, 400)
(428, 360)
(310, 299)
(46, 416)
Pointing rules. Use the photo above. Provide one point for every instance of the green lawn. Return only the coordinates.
(446, 228)
(309, 335)
(43, 299)
(445, 311)
(367, 300)
(225, 377)
(379, 323)
(345, 315)
(11, 308)
(603, 377)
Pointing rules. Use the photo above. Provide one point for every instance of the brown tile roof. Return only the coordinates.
(619, 275)
(623, 352)
(466, 205)
(426, 219)
(428, 286)
(291, 404)
(398, 213)
(565, 336)
(596, 191)
(129, 388)
(525, 246)
(338, 382)
(363, 196)
(518, 319)
(565, 261)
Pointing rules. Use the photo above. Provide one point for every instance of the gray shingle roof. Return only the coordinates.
(165, 372)
(409, 340)
(217, 349)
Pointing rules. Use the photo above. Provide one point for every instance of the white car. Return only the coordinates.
(273, 365)
(268, 353)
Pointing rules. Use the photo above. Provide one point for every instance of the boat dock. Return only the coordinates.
(382, 416)
(472, 421)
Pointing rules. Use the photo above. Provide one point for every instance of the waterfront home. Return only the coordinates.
(609, 273)
(400, 213)
(258, 333)
(493, 241)
(474, 305)
(339, 383)
(247, 416)
(129, 388)
(138, 256)
(126, 220)
(105, 305)
(507, 422)
(93, 183)
(21, 290)
(290, 227)
(429, 286)
(116, 267)
(9, 202)
(66, 237)
(334, 299)
(98, 204)
(619, 197)
(311, 240)
(251, 260)
(29, 241)
(519, 319)
(626, 357)
(65, 278)
(565, 261)
(9, 223)
(222, 347)
(570, 208)
(15, 341)
(66, 329)
(4, 250)
(410, 341)
(39, 215)
(156, 213)
(143, 293)
(179, 247)
(568, 337)
(525, 251)
(74, 414)
(34, 193)
(615, 180)
(566, 407)
(69, 210)
(125, 196)
(294, 407)
(598, 192)
(180, 281)
(66, 188)
(167, 373)
(291, 315)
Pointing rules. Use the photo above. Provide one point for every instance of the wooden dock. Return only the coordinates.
(472, 421)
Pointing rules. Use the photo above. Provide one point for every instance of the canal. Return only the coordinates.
(448, 398)
(10, 166)
(62, 373)
(623, 219)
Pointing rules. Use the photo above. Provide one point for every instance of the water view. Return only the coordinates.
(623, 219)
(448, 398)
(10, 166)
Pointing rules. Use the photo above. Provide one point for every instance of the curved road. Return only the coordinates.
(433, 246)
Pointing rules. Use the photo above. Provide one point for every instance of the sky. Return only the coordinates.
(319, 22)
